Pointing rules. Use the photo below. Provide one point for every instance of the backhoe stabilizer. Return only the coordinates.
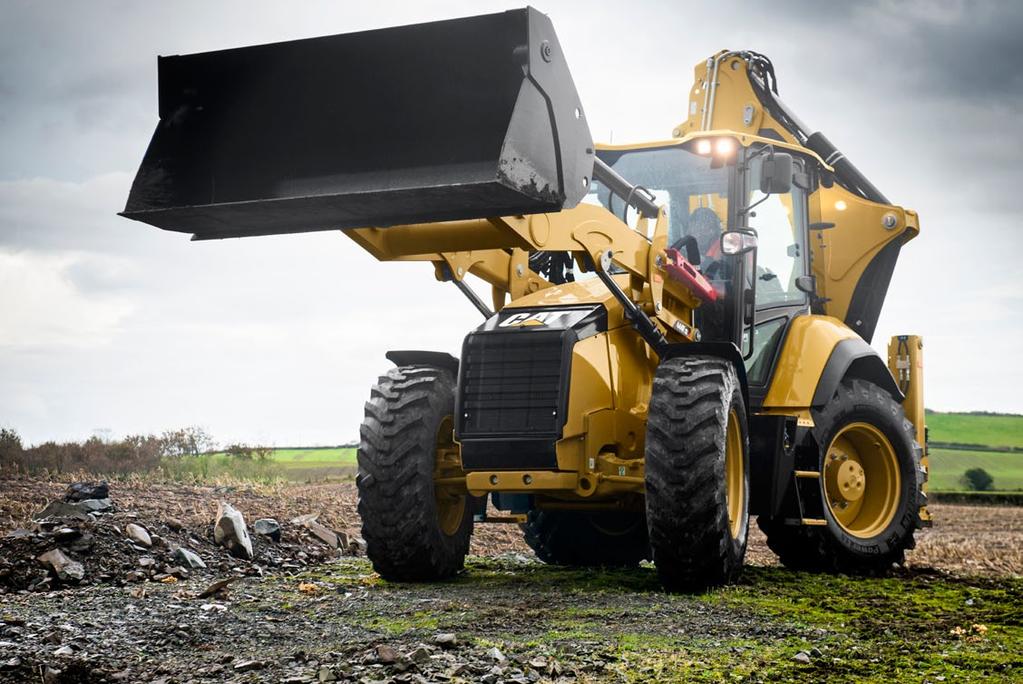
(441, 121)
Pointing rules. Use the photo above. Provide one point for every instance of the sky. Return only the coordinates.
(115, 327)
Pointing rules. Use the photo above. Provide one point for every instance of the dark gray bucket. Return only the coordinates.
(448, 120)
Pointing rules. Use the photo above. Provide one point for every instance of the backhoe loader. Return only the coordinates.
(678, 333)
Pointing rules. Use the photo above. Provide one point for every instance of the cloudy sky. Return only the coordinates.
(108, 324)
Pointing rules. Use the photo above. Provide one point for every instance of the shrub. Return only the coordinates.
(977, 480)
(11, 452)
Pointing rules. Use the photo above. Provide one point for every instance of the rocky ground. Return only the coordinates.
(303, 609)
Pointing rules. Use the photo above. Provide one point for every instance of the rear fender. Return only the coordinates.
(817, 354)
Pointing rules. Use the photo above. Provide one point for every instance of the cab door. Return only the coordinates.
(781, 224)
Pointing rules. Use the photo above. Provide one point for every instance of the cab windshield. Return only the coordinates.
(692, 191)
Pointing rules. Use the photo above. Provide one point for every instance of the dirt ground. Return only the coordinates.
(984, 540)
(951, 615)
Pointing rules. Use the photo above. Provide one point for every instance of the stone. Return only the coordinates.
(267, 527)
(386, 654)
(230, 532)
(802, 657)
(326, 675)
(174, 524)
(446, 640)
(249, 665)
(82, 491)
(94, 505)
(188, 559)
(217, 587)
(323, 533)
(495, 654)
(419, 655)
(138, 534)
(82, 543)
(303, 519)
(63, 651)
(356, 544)
(60, 509)
(62, 566)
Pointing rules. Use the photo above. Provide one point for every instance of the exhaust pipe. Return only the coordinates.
(468, 118)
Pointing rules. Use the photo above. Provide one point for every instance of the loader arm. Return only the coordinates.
(497, 251)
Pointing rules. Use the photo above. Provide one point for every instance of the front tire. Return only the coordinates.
(414, 529)
(697, 473)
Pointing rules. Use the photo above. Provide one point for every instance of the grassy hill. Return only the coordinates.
(300, 465)
(971, 428)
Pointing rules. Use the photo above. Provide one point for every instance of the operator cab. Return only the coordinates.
(709, 186)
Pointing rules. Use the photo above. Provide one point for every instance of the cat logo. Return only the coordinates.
(529, 319)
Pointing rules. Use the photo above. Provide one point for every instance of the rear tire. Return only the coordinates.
(697, 473)
(861, 417)
(411, 534)
(613, 539)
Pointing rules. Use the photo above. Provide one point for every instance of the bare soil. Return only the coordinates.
(972, 540)
(951, 614)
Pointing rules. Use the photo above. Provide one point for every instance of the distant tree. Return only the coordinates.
(977, 480)
(189, 441)
(244, 452)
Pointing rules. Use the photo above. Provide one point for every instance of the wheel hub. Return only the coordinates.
(861, 480)
(846, 478)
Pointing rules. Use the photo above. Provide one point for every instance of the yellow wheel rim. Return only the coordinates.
(735, 480)
(861, 480)
(450, 499)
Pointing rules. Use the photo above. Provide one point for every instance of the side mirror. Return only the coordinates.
(776, 174)
(737, 242)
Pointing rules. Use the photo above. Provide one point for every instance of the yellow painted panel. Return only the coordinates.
(805, 352)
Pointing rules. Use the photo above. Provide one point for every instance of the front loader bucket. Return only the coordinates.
(448, 120)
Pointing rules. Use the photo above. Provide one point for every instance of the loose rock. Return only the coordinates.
(386, 654)
(81, 491)
(322, 533)
(183, 556)
(446, 640)
(230, 532)
(138, 534)
(65, 568)
(267, 527)
(802, 657)
(249, 665)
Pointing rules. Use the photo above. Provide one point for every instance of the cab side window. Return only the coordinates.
(780, 222)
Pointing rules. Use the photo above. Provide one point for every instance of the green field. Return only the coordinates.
(300, 465)
(948, 465)
(964, 428)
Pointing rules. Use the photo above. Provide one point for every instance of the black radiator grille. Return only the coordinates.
(514, 384)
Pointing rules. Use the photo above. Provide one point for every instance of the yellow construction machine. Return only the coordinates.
(678, 332)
